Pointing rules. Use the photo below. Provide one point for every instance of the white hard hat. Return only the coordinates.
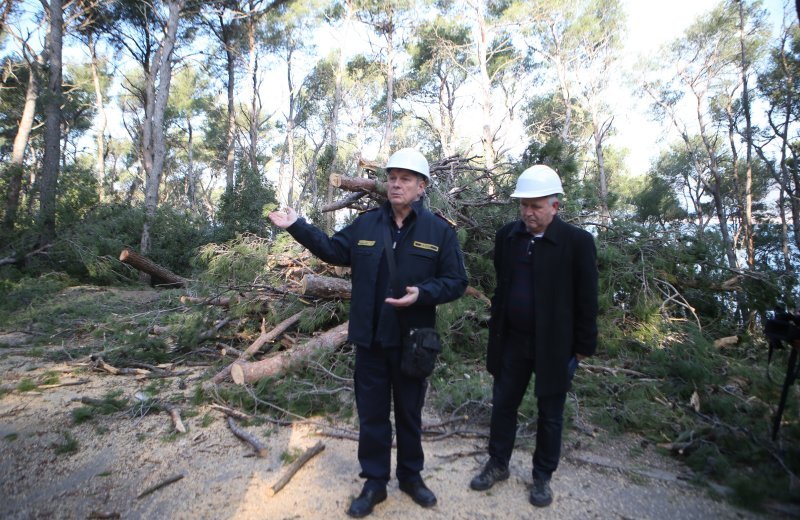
(537, 181)
(410, 159)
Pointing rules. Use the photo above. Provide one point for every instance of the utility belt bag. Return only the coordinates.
(420, 346)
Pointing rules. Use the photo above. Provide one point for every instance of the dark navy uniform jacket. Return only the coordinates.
(565, 312)
(428, 257)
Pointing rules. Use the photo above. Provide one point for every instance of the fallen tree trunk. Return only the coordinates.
(325, 286)
(160, 275)
(250, 372)
(344, 182)
(264, 338)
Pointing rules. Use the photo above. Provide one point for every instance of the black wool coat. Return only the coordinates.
(565, 315)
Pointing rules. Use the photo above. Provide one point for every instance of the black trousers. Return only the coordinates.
(378, 384)
(510, 386)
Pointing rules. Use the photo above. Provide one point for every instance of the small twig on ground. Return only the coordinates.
(68, 383)
(461, 454)
(161, 484)
(236, 414)
(611, 370)
(295, 467)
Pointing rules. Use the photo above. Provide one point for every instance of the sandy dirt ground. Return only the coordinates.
(120, 456)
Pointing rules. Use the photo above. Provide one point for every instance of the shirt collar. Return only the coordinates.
(550, 234)
(416, 206)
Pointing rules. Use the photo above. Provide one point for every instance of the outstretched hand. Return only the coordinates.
(412, 293)
(283, 219)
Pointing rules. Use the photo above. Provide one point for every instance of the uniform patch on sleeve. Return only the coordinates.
(367, 243)
(423, 245)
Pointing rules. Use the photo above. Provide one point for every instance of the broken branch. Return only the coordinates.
(260, 449)
(295, 467)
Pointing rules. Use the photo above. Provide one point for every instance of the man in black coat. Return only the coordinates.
(429, 270)
(543, 321)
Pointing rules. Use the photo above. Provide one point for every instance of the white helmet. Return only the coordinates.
(410, 159)
(537, 181)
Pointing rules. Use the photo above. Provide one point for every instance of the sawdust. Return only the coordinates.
(120, 456)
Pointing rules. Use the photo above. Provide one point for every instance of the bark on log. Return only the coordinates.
(325, 286)
(295, 467)
(250, 372)
(263, 339)
(161, 275)
(344, 182)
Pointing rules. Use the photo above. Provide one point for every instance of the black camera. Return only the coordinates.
(784, 326)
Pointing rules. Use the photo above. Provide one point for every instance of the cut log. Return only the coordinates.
(222, 301)
(295, 467)
(279, 363)
(263, 339)
(325, 286)
(161, 275)
(344, 182)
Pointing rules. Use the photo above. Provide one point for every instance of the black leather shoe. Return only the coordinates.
(541, 496)
(365, 502)
(491, 473)
(419, 492)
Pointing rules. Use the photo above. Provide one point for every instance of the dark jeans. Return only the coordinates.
(378, 383)
(510, 386)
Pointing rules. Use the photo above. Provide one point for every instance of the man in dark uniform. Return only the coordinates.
(430, 268)
(543, 321)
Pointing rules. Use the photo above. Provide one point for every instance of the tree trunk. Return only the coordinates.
(599, 131)
(485, 82)
(747, 223)
(338, 101)
(278, 364)
(160, 275)
(386, 143)
(102, 119)
(230, 131)
(16, 167)
(51, 161)
(157, 81)
(252, 70)
(191, 189)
